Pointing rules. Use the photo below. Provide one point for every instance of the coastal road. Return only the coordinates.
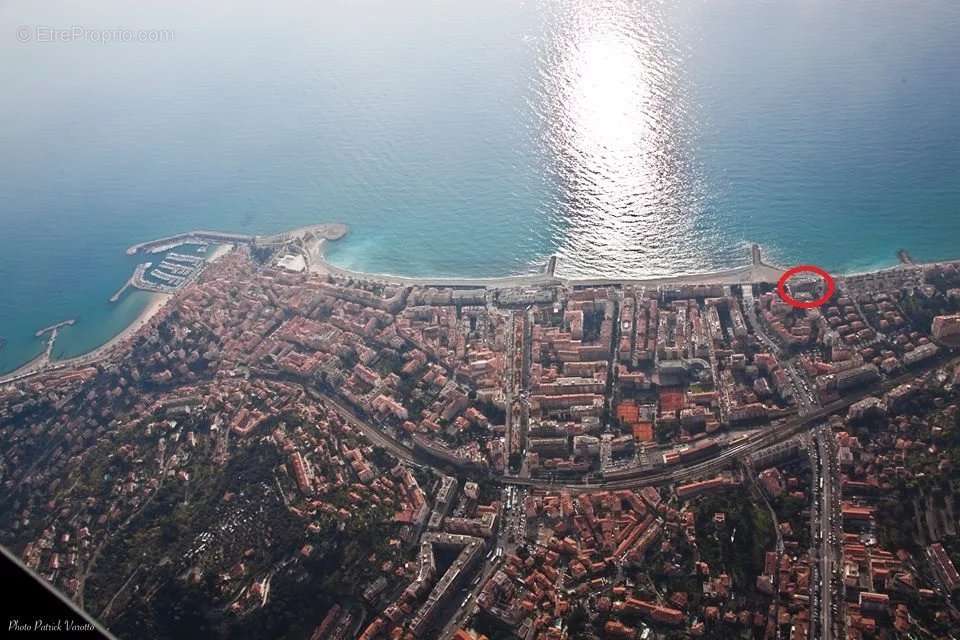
(755, 272)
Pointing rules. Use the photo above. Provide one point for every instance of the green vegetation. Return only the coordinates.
(895, 526)
(230, 516)
(492, 627)
(750, 526)
(788, 507)
(515, 461)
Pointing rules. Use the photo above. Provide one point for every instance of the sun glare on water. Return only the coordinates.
(616, 121)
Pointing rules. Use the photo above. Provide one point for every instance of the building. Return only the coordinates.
(857, 377)
(946, 328)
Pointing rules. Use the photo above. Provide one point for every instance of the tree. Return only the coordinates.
(577, 620)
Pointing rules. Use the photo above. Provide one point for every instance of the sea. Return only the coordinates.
(635, 138)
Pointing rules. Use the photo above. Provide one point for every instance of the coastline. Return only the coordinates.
(39, 364)
(755, 272)
(319, 236)
(759, 271)
(219, 252)
(156, 304)
(313, 241)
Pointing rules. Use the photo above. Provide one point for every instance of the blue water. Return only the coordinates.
(471, 138)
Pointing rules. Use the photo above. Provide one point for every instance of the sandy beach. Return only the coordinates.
(219, 252)
(157, 302)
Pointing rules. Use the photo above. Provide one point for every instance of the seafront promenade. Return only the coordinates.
(311, 241)
(756, 272)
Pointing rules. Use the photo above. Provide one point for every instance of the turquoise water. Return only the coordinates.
(472, 138)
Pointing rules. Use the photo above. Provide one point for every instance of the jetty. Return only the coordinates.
(904, 257)
(42, 361)
(54, 328)
(178, 257)
(137, 274)
(314, 233)
(551, 267)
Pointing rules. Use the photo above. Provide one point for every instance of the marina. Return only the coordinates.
(173, 272)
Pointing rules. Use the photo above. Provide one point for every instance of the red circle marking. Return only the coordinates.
(800, 304)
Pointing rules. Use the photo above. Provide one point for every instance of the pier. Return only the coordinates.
(140, 281)
(312, 233)
(137, 274)
(42, 361)
(49, 349)
(904, 257)
(179, 257)
(551, 268)
(54, 327)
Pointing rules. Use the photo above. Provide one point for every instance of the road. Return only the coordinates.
(804, 396)
(750, 313)
(815, 532)
(803, 393)
(512, 520)
(375, 435)
(761, 439)
(526, 357)
(511, 380)
(755, 442)
(830, 536)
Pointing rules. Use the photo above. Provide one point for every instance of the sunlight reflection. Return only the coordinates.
(616, 121)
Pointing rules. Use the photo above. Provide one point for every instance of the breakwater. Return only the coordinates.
(190, 237)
